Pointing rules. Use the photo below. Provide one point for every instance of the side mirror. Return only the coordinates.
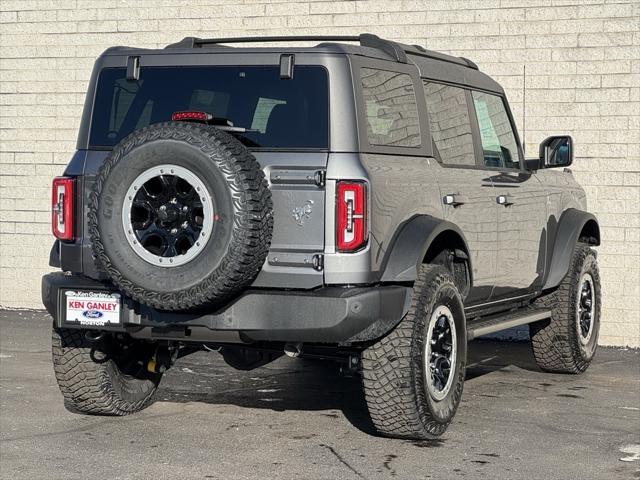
(532, 164)
(556, 151)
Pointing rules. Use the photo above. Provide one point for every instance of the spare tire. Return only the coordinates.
(180, 216)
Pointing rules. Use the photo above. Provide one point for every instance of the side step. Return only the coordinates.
(504, 321)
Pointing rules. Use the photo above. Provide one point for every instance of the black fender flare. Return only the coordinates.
(571, 223)
(409, 246)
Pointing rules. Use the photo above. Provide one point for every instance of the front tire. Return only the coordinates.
(98, 378)
(567, 342)
(413, 377)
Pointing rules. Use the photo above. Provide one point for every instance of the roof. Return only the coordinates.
(367, 42)
(431, 64)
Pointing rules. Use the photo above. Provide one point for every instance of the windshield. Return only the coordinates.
(273, 112)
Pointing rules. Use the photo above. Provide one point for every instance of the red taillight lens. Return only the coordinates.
(190, 117)
(351, 216)
(62, 207)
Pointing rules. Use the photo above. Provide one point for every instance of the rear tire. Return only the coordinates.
(94, 379)
(404, 380)
(567, 342)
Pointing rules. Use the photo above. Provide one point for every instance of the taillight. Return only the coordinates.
(62, 208)
(351, 216)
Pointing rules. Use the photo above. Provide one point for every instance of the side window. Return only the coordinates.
(450, 124)
(390, 108)
(499, 146)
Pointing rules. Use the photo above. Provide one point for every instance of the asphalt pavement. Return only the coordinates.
(300, 419)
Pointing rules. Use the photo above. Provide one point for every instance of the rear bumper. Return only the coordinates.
(328, 315)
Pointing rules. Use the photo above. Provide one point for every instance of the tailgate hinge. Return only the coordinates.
(320, 178)
(318, 262)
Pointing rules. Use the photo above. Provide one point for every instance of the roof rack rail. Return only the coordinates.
(194, 42)
(423, 52)
(393, 49)
(397, 51)
(470, 63)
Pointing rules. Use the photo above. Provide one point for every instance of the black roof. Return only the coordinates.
(431, 64)
(367, 41)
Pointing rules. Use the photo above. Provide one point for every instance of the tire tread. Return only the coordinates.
(554, 342)
(389, 369)
(88, 386)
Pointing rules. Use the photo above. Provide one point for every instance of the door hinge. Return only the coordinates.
(320, 178)
(318, 262)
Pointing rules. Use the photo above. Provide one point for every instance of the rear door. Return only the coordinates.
(520, 199)
(466, 189)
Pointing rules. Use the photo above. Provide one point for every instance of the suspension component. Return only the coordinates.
(163, 359)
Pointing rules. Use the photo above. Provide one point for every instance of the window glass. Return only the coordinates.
(450, 124)
(499, 146)
(276, 113)
(123, 94)
(263, 111)
(390, 108)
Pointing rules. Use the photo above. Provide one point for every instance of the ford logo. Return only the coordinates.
(92, 314)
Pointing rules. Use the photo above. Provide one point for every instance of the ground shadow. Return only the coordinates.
(286, 384)
(486, 356)
(304, 384)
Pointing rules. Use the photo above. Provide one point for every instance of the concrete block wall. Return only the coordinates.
(582, 60)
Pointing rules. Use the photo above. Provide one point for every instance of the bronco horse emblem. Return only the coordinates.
(300, 214)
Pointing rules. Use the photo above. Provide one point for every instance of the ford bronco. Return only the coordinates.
(359, 199)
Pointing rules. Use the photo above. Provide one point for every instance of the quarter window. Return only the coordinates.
(391, 111)
(450, 124)
(499, 146)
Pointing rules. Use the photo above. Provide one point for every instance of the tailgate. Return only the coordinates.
(297, 245)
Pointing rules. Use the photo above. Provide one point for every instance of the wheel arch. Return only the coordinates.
(590, 232)
(574, 226)
(425, 239)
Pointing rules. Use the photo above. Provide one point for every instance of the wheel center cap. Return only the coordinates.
(169, 212)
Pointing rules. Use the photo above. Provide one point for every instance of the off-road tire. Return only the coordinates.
(555, 342)
(244, 227)
(92, 383)
(393, 369)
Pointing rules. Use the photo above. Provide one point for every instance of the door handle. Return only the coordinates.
(504, 200)
(454, 199)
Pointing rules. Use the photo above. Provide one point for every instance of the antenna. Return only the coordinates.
(524, 110)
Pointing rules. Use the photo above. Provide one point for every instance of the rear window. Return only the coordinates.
(276, 113)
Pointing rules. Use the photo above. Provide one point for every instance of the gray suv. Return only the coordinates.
(366, 201)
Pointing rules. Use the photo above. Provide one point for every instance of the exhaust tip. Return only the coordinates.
(293, 350)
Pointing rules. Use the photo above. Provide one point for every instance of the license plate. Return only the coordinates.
(92, 308)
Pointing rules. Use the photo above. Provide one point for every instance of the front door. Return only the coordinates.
(520, 199)
(465, 188)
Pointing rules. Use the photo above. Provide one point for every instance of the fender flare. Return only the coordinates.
(410, 245)
(571, 223)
